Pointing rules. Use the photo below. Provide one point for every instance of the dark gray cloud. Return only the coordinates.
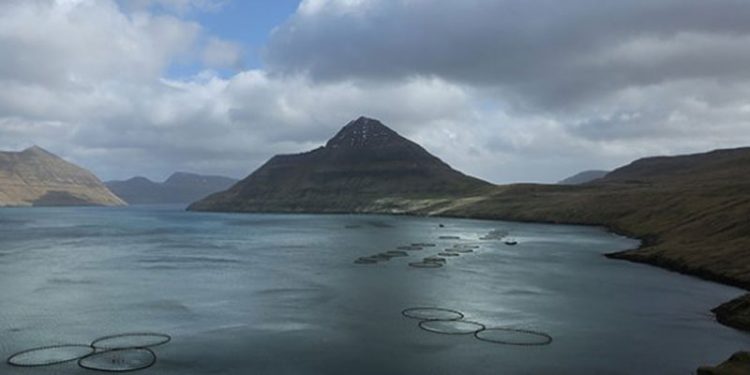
(540, 52)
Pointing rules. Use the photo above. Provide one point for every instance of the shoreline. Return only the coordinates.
(629, 255)
(721, 314)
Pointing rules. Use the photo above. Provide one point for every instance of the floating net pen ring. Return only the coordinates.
(119, 360)
(397, 253)
(425, 264)
(432, 313)
(513, 336)
(56, 355)
(449, 254)
(131, 340)
(451, 327)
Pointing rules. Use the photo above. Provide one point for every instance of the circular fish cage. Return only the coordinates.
(424, 264)
(365, 260)
(119, 360)
(397, 253)
(410, 248)
(448, 254)
(513, 336)
(49, 355)
(434, 259)
(380, 257)
(466, 246)
(423, 244)
(432, 313)
(451, 327)
(130, 340)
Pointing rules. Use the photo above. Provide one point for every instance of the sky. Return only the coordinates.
(505, 90)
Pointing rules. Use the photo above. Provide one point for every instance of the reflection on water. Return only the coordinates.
(280, 294)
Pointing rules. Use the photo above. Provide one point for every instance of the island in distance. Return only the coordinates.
(180, 187)
(36, 177)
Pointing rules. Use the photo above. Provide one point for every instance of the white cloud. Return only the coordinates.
(177, 6)
(86, 79)
(222, 54)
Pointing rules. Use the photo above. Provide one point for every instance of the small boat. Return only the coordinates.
(511, 242)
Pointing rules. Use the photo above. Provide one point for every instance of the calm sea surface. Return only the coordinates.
(280, 294)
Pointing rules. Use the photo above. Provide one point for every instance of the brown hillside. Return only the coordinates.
(35, 177)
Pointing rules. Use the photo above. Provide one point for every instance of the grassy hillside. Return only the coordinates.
(35, 177)
(702, 230)
(692, 213)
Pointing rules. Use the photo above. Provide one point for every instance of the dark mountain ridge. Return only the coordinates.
(364, 164)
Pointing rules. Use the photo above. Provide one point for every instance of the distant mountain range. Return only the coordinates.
(180, 187)
(365, 165)
(583, 177)
(36, 177)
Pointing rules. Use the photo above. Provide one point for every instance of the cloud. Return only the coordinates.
(506, 90)
(544, 52)
(73, 45)
(614, 79)
(176, 6)
(222, 54)
(231, 126)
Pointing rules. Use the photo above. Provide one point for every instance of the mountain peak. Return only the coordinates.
(364, 132)
(36, 150)
(365, 165)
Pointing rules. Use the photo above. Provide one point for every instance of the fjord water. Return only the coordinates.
(279, 294)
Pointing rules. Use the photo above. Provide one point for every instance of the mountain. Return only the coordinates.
(718, 166)
(180, 187)
(365, 165)
(583, 177)
(36, 177)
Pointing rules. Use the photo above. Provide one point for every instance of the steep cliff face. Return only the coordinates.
(365, 162)
(36, 177)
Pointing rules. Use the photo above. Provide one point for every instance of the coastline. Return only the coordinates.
(696, 228)
(734, 313)
(648, 252)
(725, 316)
